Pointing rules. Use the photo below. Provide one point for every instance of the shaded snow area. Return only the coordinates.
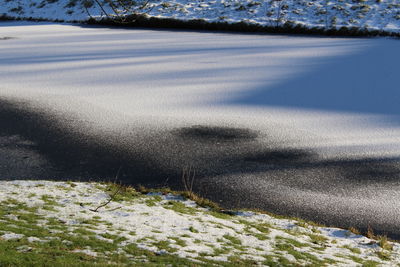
(276, 121)
(139, 228)
(370, 14)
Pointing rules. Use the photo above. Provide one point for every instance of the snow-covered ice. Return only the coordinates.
(342, 92)
(334, 96)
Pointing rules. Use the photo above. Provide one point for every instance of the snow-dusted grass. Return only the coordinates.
(45, 222)
(333, 14)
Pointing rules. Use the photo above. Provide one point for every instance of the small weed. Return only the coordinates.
(356, 259)
(261, 237)
(222, 250)
(263, 228)
(384, 243)
(179, 241)
(291, 241)
(164, 245)
(48, 200)
(151, 202)
(193, 230)
(370, 263)
(318, 239)
(180, 207)
(352, 249)
(233, 239)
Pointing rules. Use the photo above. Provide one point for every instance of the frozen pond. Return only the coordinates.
(306, 126)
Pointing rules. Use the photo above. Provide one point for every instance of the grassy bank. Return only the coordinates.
(91, 224)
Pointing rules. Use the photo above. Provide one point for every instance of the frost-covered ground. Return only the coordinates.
(370, 14)
(283, 116)
(43, 218)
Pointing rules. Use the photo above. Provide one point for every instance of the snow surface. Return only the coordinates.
(336, 95)
(145, 220)
(371, 14)
(9, 236)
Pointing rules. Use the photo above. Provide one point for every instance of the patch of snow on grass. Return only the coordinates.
(10, 236)
(170, 224)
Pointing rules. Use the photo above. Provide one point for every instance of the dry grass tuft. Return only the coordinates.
(384, 243)
(354, 231)
(370, 233)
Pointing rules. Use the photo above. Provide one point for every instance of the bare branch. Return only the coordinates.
(112, 197)
(102, 8)
(122, 11)
(108, 201)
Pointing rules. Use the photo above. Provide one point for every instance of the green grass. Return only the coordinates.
(153, 200)
(61, 241)
(318, 239)
(383, 255)
(261, 237)
(193, 230)
(180, 207)
(263, 228)
(291, 241)
(58, 248)
(165, 245)
(219, 215)
(354, 250)
(121, 192)
(233, 239)
(304, 256)
(221, 251)
(179, 241)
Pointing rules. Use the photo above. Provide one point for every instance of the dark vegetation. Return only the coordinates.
(143, 21)
(199, 24)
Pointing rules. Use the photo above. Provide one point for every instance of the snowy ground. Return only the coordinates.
(143, 90)
(273, 120)
(37, 213)
(341, 91)
(370, 14)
